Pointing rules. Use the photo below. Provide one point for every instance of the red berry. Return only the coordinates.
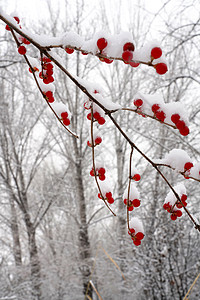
(102, 177)
(184, 131)
(156, 52)
(64, 115)
(98, 140)
(129, 46)
(7, 28)
(17, 19)
(138, 102)
(25, 41)
(107, 60)
(89, 144)
(183, 197)
(22, 50)
(136, 202)
(131, 231)
(66, 122)
(137, 242)
(101, 171)
(130, 208)
(48, 66)
(175, 118)
(92, 172)
(84, 53)
(89, 116)
(110, 200)
(161, 68)
(96, 115)
(108, 195)
(179, 213)
(69, 50)
(127, 56)
(187, 166)
(180, 124)
(136, 177)
(155, 107)
(139, 235)
(173, 217)
(134, 64)
(101, 121)
(102, 43)
(87, 105)
(160, 115)
(125, 201)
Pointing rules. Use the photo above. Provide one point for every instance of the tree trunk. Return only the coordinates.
(15, 235)
(34, 259)
(84, 243)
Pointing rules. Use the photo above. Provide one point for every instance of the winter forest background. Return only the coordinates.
(57, 238)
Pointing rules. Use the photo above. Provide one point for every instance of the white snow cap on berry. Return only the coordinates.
(176, 158)
(136, 224)
(171, 198)
(133, 193)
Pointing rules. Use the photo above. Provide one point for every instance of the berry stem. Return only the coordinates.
(129, 185)
(93, 160)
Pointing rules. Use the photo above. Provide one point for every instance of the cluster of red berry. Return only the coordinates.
(96, 112)
(97, 141)
(100, 172)
(47, 71)
(160, 115)
(180, 124)
(136, 237)
(133, 201)
(22, 40)
(108, 196)
(172, 205)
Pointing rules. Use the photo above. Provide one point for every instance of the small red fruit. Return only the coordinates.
(69, 50)
(8, 28)
(101, 171)
(136, 202)
(175, 118)
(102, 43)
(184, 131)
(22, 50)
(136, 177)
(98, 140)
(64, 115)
(129, 46)
(17, 19)
(101, 121)
(161, 68)
(156, 52)
(66, 122)
(96, 115)
(180, 124)
(130, 208)
(160, 115)
(134, 64)
(107, 60)
(138, 102)
(188, 165)
(127, 56)
(155, 107)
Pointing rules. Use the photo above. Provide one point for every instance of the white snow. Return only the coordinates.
(136, 224)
